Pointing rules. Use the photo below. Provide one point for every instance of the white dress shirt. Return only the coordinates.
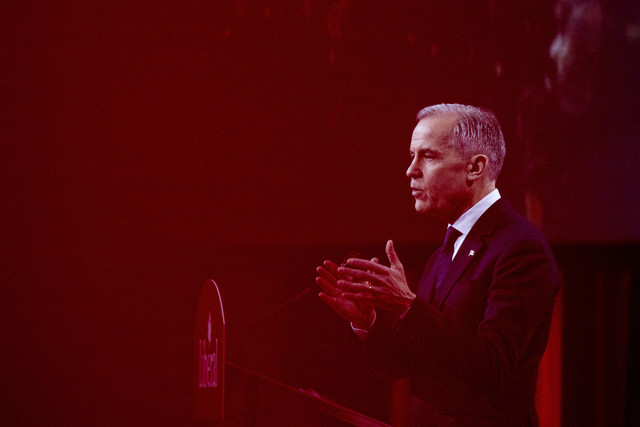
(467, 220)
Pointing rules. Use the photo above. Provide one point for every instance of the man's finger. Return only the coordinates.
(347, 286)
(347, 274)
(331, 266)
(323, 272)
(331, 302)
(327, 287)
(359, 296)
(362, 265)
(327, 298)
(394, 261)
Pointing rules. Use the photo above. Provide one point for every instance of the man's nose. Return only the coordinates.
(413, 171)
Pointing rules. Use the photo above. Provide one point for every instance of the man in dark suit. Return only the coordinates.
(471, 337)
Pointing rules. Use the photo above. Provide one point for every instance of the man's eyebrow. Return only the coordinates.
(421, 150)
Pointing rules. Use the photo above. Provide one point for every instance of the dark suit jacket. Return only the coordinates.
(472, 352)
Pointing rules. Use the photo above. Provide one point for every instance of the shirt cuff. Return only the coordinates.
(362, 333)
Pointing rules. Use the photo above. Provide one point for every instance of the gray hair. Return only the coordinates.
(476, 131)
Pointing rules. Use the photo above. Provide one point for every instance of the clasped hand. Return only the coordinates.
(359, 286)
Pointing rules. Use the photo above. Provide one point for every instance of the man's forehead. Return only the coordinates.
(432, 130)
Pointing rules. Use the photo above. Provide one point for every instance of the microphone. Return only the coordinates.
(257, 325)
(352, 254)
(287, 302)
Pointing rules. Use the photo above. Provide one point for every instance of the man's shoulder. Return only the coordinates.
(513, 237)
(504, 224)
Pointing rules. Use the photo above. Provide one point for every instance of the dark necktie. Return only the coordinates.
(443, 262)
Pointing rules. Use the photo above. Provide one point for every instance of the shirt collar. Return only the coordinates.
(468, 219)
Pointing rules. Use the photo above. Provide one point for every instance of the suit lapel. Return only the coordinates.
(472, 247)
(468, 251)
(427, 281)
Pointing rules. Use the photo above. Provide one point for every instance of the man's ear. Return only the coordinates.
(477, 167)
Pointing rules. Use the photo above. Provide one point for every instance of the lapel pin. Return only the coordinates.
(472, 252)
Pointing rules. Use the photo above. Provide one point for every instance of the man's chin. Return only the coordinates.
(429, 210)
(422, 207)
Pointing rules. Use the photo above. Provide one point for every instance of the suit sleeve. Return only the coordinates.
(378, 350)
(513, 331)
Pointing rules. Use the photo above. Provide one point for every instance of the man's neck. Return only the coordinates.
(482, 192)
(477, 195)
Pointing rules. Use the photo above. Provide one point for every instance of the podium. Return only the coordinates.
(249, 398)
(209, 346)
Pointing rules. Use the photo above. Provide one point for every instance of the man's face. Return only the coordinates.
(438, 173)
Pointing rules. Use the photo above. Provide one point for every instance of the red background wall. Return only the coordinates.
(149, 146)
